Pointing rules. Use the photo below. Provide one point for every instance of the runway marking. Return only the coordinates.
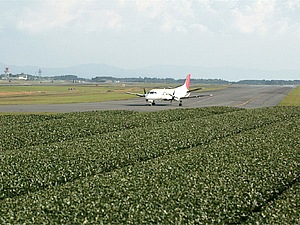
(202, 100)
(250, 100)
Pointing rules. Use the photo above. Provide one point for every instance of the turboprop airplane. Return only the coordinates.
(170, 94)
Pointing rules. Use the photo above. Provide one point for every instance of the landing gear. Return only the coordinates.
(180, 103)
(151, 103)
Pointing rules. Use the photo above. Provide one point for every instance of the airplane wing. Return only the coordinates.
(198, 96)
(137, 94)
(196, 89)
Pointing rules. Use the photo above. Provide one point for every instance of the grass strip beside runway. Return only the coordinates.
(292, 99)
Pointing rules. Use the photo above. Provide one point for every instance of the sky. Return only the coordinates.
(255, 34)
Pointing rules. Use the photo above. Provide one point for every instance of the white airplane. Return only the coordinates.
(170, 94)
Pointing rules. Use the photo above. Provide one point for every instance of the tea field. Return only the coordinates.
(216, 165)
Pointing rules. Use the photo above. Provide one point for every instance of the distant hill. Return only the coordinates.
(161, 71)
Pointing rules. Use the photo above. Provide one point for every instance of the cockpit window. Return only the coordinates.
(152, 92)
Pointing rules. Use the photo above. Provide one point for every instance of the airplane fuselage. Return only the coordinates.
(167, 94)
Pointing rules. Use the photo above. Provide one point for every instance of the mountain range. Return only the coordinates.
(160, 71)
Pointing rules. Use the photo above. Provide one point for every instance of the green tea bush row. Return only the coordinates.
(223, 181)
(19, 131)
(43, 166)
(284, 210)
(44, 129)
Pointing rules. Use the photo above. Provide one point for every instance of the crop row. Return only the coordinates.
(43, 166)
(22, 131)
(283, 210)
(230, 178)
(19, 131)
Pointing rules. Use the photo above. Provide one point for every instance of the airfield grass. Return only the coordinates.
(50, 94)
(16, 94)
(292, 99)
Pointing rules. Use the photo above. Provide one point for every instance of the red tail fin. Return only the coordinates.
(188, 81)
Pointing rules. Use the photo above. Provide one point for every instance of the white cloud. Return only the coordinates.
(255, 17)
(177, 16)
(170, 23)
(282, 26)
(43, 16)
(198, 27)
(184, 16)
(293, 4)
(84, 15)
(94, 20)
(92, 16)
(166, 16)
(151, 9)
(268, 18)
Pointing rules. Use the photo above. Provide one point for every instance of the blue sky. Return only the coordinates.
(257, 34)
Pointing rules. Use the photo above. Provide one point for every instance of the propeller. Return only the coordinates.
(173, 96)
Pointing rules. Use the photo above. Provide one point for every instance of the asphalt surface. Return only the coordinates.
(236, 96)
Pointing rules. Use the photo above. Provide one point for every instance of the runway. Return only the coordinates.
(252, 96)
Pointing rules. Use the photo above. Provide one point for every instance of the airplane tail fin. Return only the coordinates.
(187, 81)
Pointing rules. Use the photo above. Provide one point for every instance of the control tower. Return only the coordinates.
(40, 73)
(6, 71)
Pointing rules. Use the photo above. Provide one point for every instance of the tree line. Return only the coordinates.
(111, 79)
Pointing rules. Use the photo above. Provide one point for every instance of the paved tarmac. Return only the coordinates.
(251, 96)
